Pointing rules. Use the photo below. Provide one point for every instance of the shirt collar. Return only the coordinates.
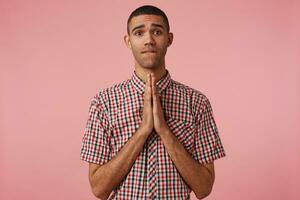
(139, 84)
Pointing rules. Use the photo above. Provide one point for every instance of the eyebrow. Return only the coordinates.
(142, 26)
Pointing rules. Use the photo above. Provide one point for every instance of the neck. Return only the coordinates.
(158, 72)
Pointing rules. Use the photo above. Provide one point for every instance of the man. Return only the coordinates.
(150, 137)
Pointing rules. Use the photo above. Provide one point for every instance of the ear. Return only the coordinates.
(170, 39)
(127, 41)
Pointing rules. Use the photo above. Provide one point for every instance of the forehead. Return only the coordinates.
(146, 20)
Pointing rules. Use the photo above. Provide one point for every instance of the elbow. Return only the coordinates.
(101, 191)
(202, 195)
(100, 194)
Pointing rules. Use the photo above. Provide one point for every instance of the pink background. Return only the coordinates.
(56, 55)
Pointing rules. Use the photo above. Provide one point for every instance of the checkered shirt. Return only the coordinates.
(116, 113)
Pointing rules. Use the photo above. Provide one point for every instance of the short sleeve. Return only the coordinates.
(208, 146)
(95, 146)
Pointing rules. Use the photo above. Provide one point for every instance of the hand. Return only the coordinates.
(160, 124)
(147, 121)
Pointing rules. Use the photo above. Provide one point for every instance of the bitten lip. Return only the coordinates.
(149, 51)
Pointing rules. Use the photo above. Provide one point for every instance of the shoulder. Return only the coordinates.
(198, 99)
(193, 93)
(104, 95)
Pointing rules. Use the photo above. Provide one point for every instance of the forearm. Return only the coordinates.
(197, 176)
(110, 175)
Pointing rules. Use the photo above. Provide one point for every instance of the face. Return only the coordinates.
(148, 40)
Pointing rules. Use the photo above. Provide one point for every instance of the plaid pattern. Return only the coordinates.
(116, 113)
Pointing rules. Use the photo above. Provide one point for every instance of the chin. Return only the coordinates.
(149, 65)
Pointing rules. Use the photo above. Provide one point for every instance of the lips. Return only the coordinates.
(148, 51)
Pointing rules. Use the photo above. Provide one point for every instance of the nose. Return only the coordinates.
(149, 39)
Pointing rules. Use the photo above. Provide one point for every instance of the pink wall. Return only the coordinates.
(56, 55)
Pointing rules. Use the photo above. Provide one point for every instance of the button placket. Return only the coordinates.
(152, 165)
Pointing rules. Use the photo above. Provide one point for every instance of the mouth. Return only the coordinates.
(145, 52)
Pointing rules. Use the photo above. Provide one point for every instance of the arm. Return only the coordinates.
(200, 177)
(103, 178)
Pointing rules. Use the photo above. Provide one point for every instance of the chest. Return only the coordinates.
(127, 116)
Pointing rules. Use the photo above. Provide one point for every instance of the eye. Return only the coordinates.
(157, 32)
(138, 33)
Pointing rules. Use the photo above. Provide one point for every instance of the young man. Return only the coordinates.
(150, 137)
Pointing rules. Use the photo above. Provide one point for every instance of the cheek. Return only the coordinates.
(135, 51)
(134, 48)
(135, 43)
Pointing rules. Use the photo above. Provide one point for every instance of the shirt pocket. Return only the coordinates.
(184, 131)
(123, 129)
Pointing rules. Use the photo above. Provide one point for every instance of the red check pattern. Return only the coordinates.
(116, 113)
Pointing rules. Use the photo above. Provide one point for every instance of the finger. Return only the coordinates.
(148, 90)
(155, 98)
(154, 88)
(148, 80)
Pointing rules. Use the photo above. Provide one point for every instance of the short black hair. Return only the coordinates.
(148, 10)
